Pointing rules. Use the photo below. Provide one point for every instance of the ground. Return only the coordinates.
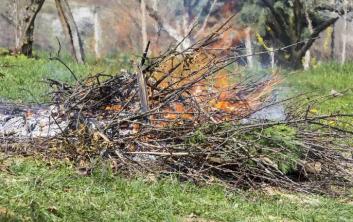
(33, 189)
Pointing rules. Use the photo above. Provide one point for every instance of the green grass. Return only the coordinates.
(34, 190)
(21, 77)
(324, 78)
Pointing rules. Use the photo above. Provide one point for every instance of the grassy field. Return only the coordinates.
(34, 190)
(21, 78)
(37, 190)
(322, 80)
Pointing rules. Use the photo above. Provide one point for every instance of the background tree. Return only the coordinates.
(22, 15)
(12, 16)
(189, 13)
(70, 29)
(28, 16)
(295, 23)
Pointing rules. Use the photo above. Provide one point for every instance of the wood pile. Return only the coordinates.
(189, 114)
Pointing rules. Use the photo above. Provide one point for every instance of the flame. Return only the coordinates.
(222, 81)
(178, 111)
(116, 108)
(216, 95)
(232, 107)
(231, 38)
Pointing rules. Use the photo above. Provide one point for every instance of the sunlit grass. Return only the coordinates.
(324, 79)
(21, 78)
(41, 191)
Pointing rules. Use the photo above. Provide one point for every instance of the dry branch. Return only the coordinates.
(200, 125)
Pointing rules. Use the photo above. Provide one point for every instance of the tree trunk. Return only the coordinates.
(249, 50)
(344, 34)
(30, 13)
(287, 32)
(70, 29)
(97, 33)
(143, 24)
(333, 39)
(306, 60)
(272, 56)
(17, 24)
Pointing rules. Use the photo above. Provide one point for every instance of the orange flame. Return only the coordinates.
(215, 95)
(116, 108)
(178, 111)
(218, 92)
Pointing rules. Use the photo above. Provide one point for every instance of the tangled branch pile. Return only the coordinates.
(187, 113)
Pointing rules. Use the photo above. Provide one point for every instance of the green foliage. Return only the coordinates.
(33, 190)
(277, 143)
(254, 15)
(280, 135)
(197, 137)
(4, 52)
(284, 137)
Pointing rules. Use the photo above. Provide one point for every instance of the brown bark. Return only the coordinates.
(30, 13)
(70, 29)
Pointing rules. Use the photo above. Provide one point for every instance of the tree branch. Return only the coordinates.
(315, 34)
(279, 18)
(6, 18)
(338, 10)
(279, 23)
(172, 32)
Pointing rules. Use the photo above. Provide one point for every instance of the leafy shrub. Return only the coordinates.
(282, 147)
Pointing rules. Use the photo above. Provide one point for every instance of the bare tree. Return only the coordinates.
(290, 25)
(12, 17)
(70, 29)
(143, 24)
(29, 15)
(17, 23)
(182, 28)
(22, 18)
(97, 33)
(248, 47)
(307, 56)
(344, 34)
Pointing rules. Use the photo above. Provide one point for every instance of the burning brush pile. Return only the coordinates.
(188, 113)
